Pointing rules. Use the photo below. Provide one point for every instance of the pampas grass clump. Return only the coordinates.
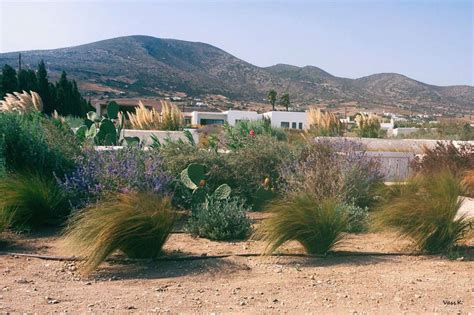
(171, 116)
(317, 226)
(138, 224)
(21, 102)
(425, 209)
(324, 123)
(368, 126)
(144, 118)
(29, 201)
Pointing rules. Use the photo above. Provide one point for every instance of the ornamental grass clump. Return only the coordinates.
(425, 209)
(136, 223)
(144, 118)
(171, 116)
(317, 226)
(368, 126)
(21, 102)
(324, 123)
(29, 201)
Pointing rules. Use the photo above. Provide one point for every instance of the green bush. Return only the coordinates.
(220, 220)
(2, 157)
(358, 218)
(34, 143)
(138, 224)
(317, 226)
(260, 159)
(425, 209)
(237, 136)
(29, 201)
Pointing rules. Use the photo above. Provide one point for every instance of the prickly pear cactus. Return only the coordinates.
(192, 176)
(222, 192)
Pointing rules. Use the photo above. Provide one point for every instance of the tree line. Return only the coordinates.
(62, 96)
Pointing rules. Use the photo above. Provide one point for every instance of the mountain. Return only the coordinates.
(144, 65)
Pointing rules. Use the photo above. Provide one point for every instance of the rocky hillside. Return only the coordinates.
(143, 65)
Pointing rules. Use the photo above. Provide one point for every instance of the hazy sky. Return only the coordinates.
(431, 41)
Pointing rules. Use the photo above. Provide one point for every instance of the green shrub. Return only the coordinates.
(237, 136)
(220, 220)
(317, 226)
(358, 218)
(260, 159)
(34, 143)
(2, 157)
(29, 201)
(138, 224)
(425, 210)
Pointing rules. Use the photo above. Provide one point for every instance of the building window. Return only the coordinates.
(300, 125)
(293, 125)
(187, 121)
(285, 124)
(212, 121)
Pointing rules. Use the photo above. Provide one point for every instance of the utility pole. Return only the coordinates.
(19, 62)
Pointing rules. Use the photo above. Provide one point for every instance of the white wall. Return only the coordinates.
(233, 115)
(290, 117)
(145, 135)
(197, 116)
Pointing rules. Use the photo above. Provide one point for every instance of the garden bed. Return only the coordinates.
(339, 283)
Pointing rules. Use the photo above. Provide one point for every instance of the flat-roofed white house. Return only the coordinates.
(291, 120)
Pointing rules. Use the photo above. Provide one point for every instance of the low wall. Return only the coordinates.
(395, 166)
(394, 145)
(145, 135)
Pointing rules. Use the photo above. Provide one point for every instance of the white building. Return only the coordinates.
(292, 120)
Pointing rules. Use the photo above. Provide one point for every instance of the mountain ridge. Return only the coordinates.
(145, 65)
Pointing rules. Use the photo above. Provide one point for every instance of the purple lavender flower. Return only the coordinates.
(103, 172)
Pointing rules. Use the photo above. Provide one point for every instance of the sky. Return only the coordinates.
(430, 41)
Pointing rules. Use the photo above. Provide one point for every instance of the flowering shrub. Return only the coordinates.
(101, 172)
(333, 169)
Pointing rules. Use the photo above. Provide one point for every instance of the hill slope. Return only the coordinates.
(144, 65)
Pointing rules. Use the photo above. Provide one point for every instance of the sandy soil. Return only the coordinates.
(256, 285)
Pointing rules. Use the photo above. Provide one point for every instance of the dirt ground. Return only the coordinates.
(337, 284)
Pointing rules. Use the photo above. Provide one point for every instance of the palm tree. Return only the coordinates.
(272, 97)
(285, 100)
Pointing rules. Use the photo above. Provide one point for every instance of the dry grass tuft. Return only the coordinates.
(29, 201)
(21, 102)
(318, 227)
(138, 224)
(425, 209)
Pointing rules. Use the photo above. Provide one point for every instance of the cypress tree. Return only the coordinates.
(27, 80)
(9, 80)
(44, 88)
